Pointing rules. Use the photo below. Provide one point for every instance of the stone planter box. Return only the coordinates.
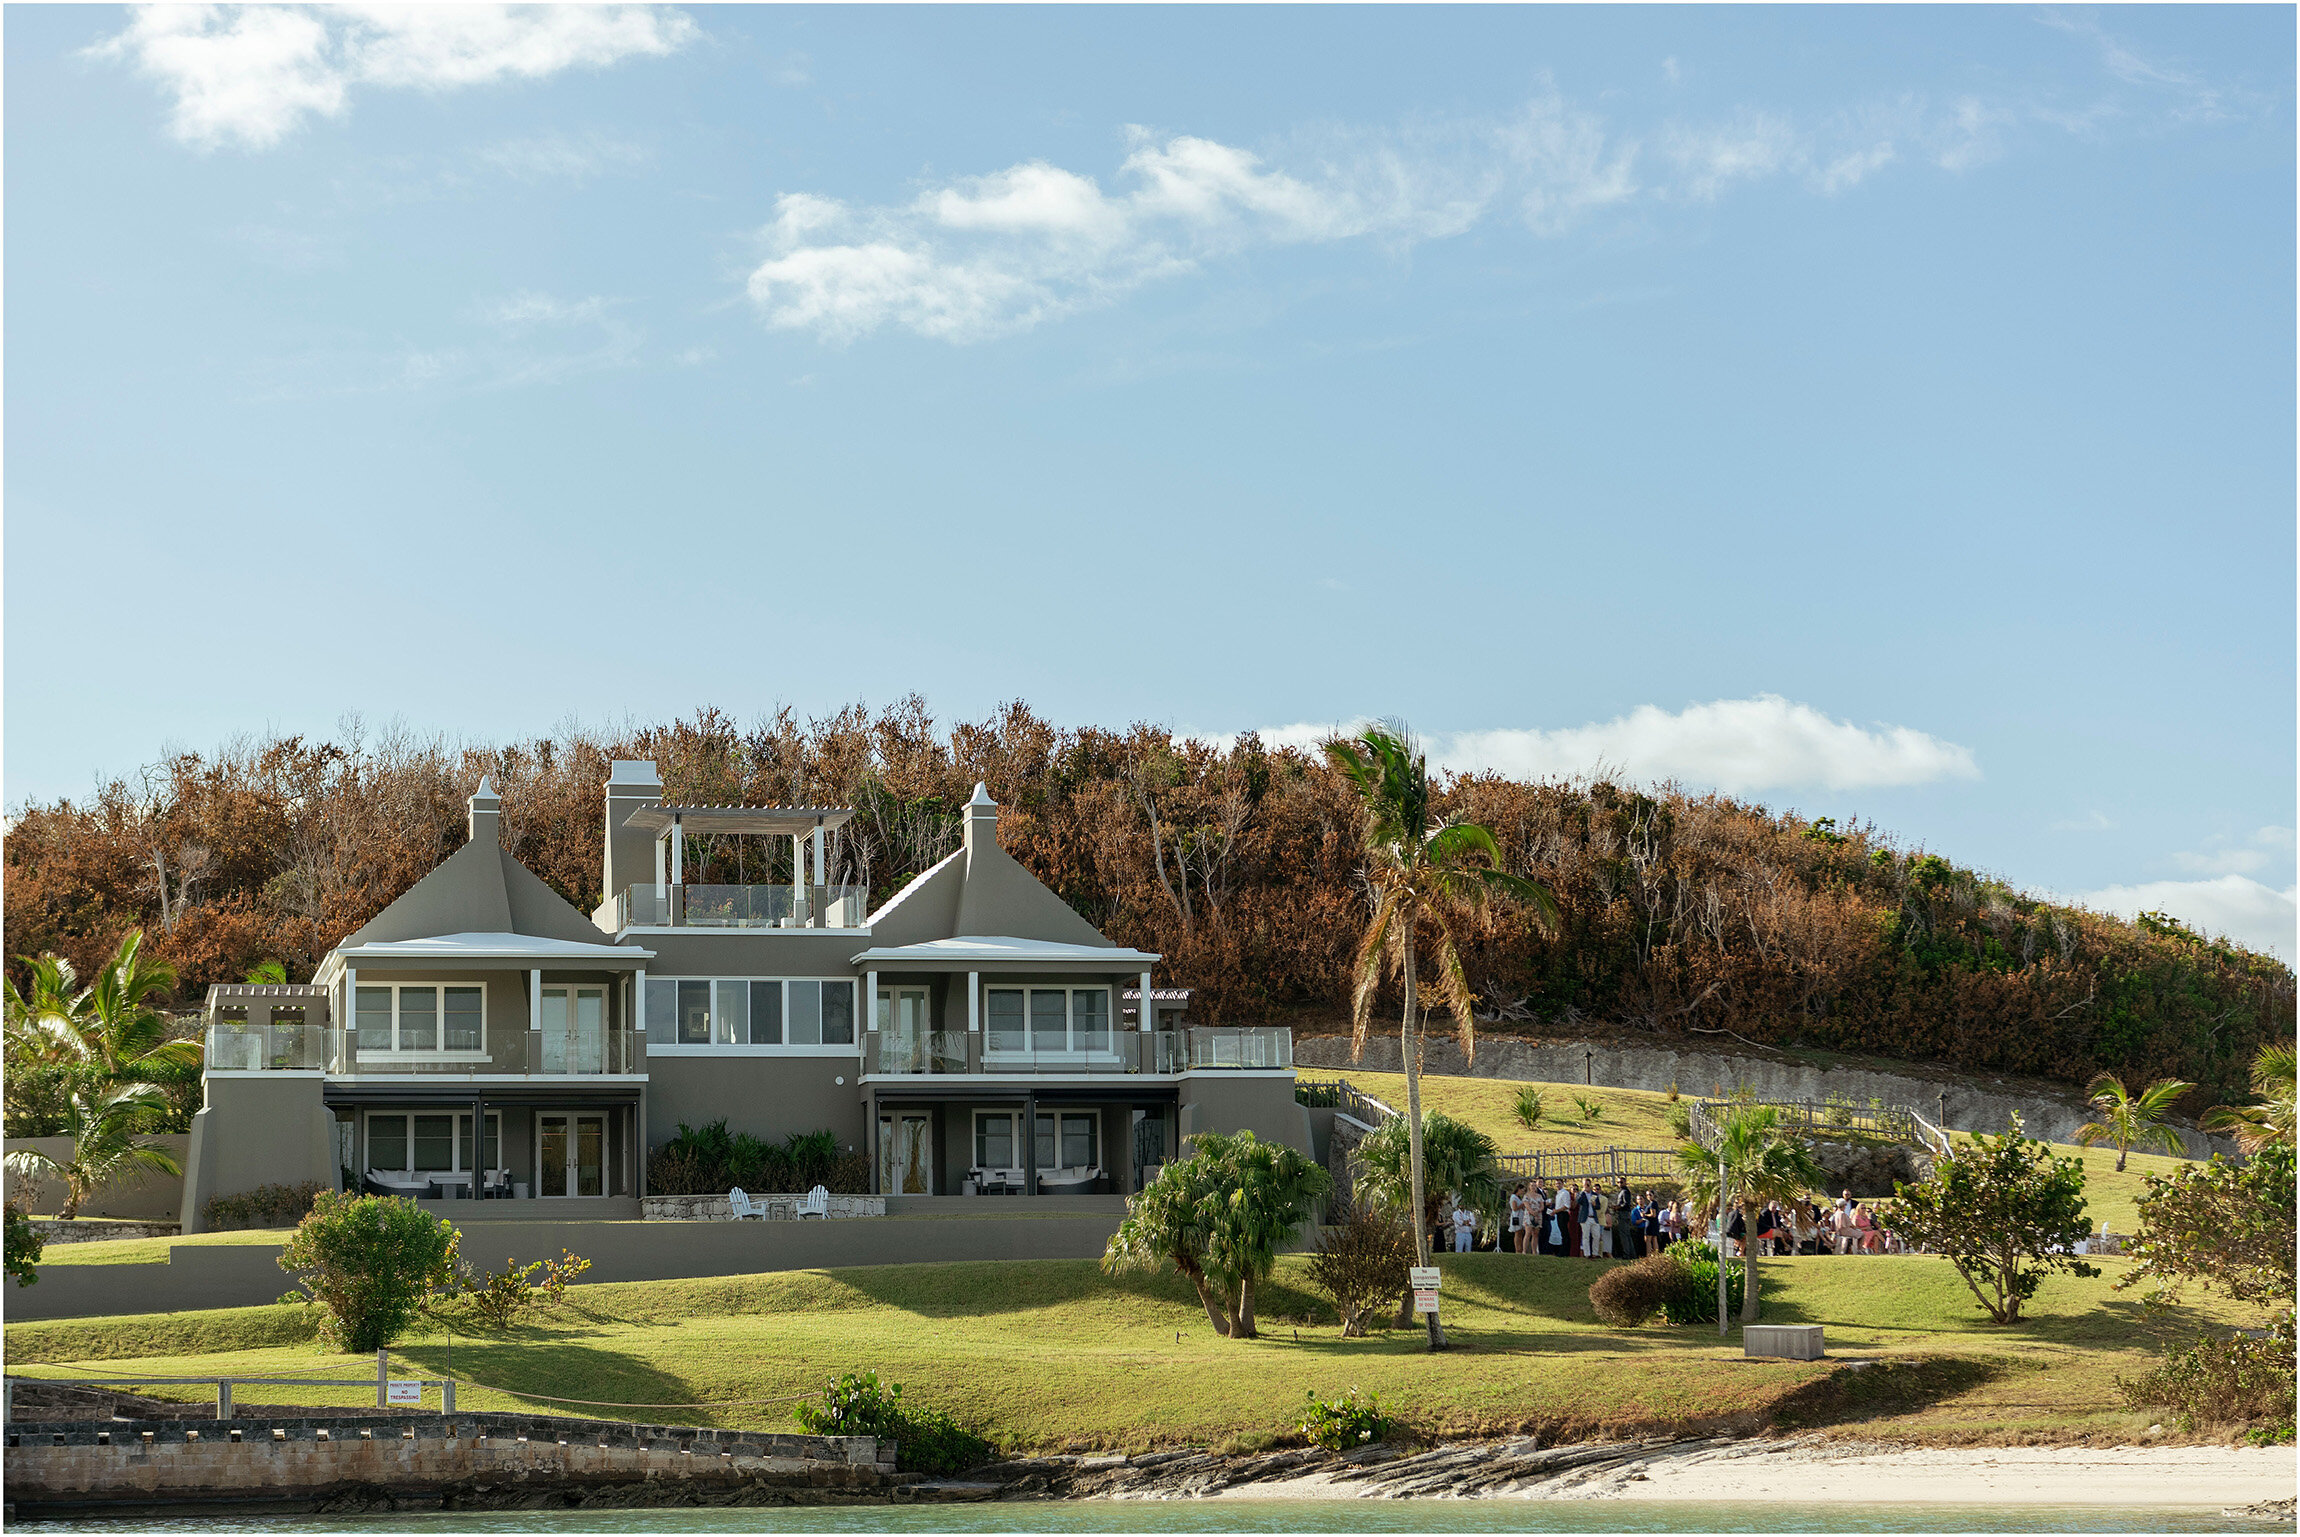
(779, 1208)
(89, 1230)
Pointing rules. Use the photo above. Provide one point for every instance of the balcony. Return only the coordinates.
(509, 1053)
(733, 907)
(1255, 1047)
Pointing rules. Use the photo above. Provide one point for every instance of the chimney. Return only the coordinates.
(486, 812)
(981, 818)
(630, 851)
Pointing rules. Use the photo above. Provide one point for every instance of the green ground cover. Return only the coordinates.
(154, 1251)
(1054, 1354)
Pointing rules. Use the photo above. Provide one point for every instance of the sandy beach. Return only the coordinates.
(1867, 1473)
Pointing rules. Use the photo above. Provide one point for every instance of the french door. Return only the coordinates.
(574, 1030)
(906, 1154)
(571, 1154)
(905, 1043)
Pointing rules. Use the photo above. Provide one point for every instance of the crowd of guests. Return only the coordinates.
(1586, 1220)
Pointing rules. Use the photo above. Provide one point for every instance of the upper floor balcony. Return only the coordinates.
(996, 1052)
(733, 907)
(238, 1046)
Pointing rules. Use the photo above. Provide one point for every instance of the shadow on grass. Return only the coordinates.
(550, 1372)
(1888, 1388)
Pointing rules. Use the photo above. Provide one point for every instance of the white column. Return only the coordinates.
(662, 867)
(1148, 1013)
(822, 865)
(639, 1002)
(870, 986)
(535, 1018)
(350, 1019)
(799, 879)
(974, 1003)
(678, 854)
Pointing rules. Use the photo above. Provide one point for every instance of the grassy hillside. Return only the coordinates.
(1049, 1355)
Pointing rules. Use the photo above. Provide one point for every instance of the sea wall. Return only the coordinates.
(2051, 1115)
(476, 1461)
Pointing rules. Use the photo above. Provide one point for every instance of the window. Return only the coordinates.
(751, 1011)
(1068, 1141)
(428, 1143)
(421, 1017)
(994, 1140)
(1048, 1019)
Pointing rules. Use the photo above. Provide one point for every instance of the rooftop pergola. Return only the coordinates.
(800, 824)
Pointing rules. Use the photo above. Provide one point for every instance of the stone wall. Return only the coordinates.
(54, 1231)
(1870, 1169)
(2052, 1112)
(466, 1461)
(779, 1208)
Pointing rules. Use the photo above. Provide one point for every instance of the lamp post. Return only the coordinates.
(1589, 1068)
(1943, 1122)
(1721, 1237)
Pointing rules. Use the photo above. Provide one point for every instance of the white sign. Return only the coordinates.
(1422, 1278)
(1425, 1302)
(403, 1393)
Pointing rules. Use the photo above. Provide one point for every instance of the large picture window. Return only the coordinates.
(428, 1143)
(1041, 1019)
(1069, 1139)
(752, 1011)
(424, 1018)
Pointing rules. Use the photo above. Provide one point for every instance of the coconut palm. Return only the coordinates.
(103, 1123)
(1760, 1160)
(1426, 871)
(1219, 1216)
(2271, 1121)
(110, 1029)
(44, 1017)
(2129, 1120)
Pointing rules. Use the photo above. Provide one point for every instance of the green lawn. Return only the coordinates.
(1052, 1354)
(154, 1251)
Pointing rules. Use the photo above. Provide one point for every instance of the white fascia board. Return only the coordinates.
(1010, 953)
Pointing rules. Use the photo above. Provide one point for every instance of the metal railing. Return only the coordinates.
(383, 1382)
(1343, 1095)
(1246, 1047)
(740, 907)
(531, 1053)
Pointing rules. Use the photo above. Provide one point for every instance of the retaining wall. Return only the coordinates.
(205, 1276)
(463, 1460)
(2045, 1112)
(779, 1208)
(140, 1195)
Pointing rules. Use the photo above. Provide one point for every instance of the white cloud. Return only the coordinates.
(1736, 745)
(251, 75)
(2256, 916)
(2224, 856)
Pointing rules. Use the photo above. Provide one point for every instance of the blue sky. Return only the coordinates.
(1887, 413)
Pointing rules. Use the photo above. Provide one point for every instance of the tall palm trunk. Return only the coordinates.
(1749, 1216)
(1409, 1050)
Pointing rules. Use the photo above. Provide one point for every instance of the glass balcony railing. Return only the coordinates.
(1249, 1047)
(917, 1051)
(945, 1051)
(523, 1053)
(739, 907)
(280, 1048)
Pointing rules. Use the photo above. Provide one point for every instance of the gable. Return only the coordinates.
(478, 889)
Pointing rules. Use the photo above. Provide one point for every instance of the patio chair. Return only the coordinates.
(743, 1206)
(815, 1203)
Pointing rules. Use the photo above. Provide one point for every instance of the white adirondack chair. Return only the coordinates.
(815, 1203)
(743, 1206)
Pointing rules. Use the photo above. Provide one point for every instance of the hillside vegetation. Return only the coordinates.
(1136, 1365)
(1239, 863)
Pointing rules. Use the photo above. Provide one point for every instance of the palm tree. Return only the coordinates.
(2133, 1120)
(103, 1123)
(108, 1030)
(1219, 1216)
(1425, 870)
(44, 1018)
(1761, 1160)
(1455, 1157)
(2271, 1121)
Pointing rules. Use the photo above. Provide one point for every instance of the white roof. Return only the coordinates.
(983, 950)
(490, 947)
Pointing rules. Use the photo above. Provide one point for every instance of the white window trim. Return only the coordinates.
(1014, 1118)
(455, 1140)
(436, 1054)
(1069, 1025)
(715, 1048)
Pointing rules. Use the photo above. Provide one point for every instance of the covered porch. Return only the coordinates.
(565, 1148)
(990, 1139)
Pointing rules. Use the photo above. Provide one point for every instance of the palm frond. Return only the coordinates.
(1453, 990)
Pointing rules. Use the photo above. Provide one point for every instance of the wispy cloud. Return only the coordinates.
(2192, 95)
(2254, 915)
(251, 75)
(559, 157)
(2245, 856)
(1735, 745)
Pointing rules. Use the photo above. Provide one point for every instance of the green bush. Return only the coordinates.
(1694, 1300)
(1627, 1295)
(1345, 1423)
(371, 1263)
(24, 1246)
(1592, 1109)
(264, 1206)
(503, 1297)
(1361, 1263)
(710, 1160)
(2244, 1379)
(859, 1404)
(1527, 1107)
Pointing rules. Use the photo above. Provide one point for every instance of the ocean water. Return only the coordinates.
(1582, 1518)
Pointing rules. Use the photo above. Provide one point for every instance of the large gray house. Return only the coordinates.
(974, 1036)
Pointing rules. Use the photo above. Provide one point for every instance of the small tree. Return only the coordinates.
(2128, 1120)
(1526, 1106)
(1763, 1161)
(2006, 1212)
(372, 1262)
(103, 1123)
(1361, 1264)
(1220, 1220)
(1456, 1157)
